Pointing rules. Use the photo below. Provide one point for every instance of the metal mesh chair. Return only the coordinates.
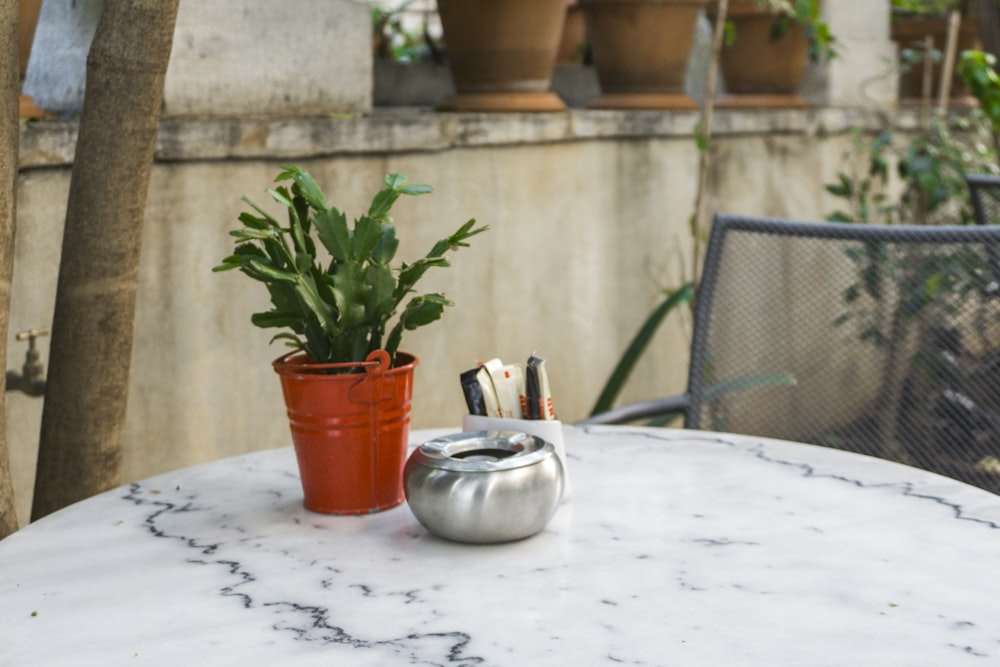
(984, 191)
(882, 340)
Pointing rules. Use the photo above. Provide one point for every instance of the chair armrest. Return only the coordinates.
(643, 410)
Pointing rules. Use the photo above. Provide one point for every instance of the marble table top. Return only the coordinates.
(677, 548)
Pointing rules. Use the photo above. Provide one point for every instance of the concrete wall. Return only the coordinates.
(589, 222)
(229, 57)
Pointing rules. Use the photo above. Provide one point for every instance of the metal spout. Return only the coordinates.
(31, 379)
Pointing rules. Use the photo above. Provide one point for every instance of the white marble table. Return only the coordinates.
(677, 548)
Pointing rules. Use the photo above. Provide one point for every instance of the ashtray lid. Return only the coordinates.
(483, 451)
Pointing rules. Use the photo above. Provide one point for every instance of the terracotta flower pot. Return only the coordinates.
(641, 50)
(502, 53)
(759, 71)
(909, 32)
(27, 21)
(350, 431)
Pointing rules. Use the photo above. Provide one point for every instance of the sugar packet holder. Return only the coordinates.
(549, 430)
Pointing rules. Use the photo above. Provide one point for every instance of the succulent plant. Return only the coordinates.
(337, 307)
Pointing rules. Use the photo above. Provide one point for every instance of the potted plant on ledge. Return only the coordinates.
(768, 45)
(347, 387)
(920, 29)
(641, 50)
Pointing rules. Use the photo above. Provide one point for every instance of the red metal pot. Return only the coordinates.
(350, 430)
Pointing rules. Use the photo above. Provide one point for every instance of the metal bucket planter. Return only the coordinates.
(350, 430)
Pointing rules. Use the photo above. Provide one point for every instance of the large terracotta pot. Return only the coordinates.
(502, 53)
(759, 71)
(641, 50)
(27, 21)
(909, 32)
(350, 431)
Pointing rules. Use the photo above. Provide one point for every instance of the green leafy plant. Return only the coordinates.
(392, 38)
(822, 44)
(337, 308)
(898, 301)
(915, 176)
(978, 71)
(926, 6)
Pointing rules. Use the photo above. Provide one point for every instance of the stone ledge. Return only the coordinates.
(53, 143)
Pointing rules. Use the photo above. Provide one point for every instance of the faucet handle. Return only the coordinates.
(31, 334)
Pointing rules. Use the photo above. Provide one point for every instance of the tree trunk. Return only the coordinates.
(10, 88)
(82, 435)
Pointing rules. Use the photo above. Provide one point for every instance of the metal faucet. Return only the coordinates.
(31, 379)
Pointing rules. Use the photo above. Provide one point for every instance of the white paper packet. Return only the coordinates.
(549, 430)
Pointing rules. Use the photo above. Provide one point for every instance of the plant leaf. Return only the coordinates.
(273, 318)
(380, 302)
(367, 233)
(331, 227)
(307, 185)
(350, 293)
(416, 189)
(385, 250)
(382, 204)
(264, 267)
(638, 345)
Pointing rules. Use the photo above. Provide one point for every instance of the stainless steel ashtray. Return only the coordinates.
(484, 486)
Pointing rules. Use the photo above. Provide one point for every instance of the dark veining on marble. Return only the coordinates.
(306, 622)
(807, 470)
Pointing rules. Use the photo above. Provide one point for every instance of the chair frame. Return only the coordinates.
(978, 184)
(691, 402)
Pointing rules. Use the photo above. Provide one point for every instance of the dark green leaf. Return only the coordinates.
(331, 227)
(423, 310)
(251, 234)
(456, 240)
(264, 214)
(381, 301)
(638, 345)
(272, 319)
(700, 140)
(280, 195)
(264, 267)
(411, 273)
(387, 245)
(307, 186)
(293, 340)
(416, 189)
(252, 221)
(367, 233)
(382, 204)
(395, 181)
(309, 294)
(350, 294)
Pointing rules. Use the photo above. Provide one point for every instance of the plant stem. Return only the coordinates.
(707, 120)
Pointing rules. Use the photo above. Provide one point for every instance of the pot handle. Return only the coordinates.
(372, 389)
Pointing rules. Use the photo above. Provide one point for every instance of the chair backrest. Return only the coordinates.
(883, 340)
(984, 191)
